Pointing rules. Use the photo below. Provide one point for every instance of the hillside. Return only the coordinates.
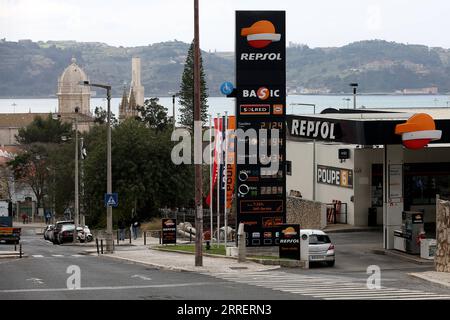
(31, 69)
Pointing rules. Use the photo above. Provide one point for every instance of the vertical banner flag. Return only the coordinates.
(217, 154)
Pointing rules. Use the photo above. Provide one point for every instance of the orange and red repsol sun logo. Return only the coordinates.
(261, 34)
(418, 131)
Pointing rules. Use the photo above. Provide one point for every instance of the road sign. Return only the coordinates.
(226, 88)
(111, 200)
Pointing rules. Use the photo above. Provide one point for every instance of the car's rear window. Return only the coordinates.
(68, 227)
(319, 239)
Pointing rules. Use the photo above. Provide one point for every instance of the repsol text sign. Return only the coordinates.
(335, 176)
(315, 129)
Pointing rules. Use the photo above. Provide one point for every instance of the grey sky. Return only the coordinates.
(317, 23)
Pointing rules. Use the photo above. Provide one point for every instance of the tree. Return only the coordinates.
(100, 116)
(42, 130)
(154, 115)
(186, 93)
(145, 181)
(31, 168)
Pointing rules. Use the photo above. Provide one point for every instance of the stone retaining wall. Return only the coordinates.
(309, 214)
(442, 258)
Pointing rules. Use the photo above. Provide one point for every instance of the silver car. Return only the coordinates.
(321, 249)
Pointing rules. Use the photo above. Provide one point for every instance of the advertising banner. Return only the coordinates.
(169, 231)
(290, 241)
(335, 176)
(261, 109)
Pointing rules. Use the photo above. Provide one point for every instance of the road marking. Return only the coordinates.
(325, 287)
(38, 256)
(57, 255)
(192, 284)
(76, 255)
(141, 277)
(36, 280)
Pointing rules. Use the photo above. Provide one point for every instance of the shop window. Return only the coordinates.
(423, 181)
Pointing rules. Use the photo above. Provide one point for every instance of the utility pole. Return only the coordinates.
(197, 144)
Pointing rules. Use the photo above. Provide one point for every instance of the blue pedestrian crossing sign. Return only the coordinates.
(111, 200)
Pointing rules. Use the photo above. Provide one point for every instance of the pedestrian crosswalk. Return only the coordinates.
(325, 287)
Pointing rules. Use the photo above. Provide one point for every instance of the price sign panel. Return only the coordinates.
(261, 109)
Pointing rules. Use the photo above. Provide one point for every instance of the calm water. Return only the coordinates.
(221, 104)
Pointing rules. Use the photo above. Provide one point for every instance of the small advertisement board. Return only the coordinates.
(290, 241)
(169, 231)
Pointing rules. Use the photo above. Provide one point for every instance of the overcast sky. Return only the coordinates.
(317, 23)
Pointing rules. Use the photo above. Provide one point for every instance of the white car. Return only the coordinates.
(320, 247)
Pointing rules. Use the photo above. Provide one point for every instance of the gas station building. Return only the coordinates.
(356, 159)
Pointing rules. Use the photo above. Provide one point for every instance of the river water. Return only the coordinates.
(222, 104)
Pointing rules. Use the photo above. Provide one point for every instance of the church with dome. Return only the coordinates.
(70, 93)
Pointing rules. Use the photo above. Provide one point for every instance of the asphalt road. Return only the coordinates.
(43, 275)
(354, 255)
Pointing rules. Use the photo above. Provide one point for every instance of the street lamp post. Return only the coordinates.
(314, 148)
(354, 86)
(109, 235)
(77, 204)
(173, 108)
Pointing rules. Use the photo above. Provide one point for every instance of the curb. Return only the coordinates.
(145, 263)
(352, 230)
(422, 277)
(191, 253)
(402, 256)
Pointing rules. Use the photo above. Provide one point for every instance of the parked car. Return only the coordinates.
(66, 233)
(57, 230)
(48, 232)
(321, 249)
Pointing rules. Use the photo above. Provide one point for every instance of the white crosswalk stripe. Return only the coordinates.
(59, 256)
(325, 287)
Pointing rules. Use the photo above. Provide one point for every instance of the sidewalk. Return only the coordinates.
(182, 261)
(441, 278)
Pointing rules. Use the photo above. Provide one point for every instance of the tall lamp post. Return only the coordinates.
(77, 203)
(109, 232)
(173, 109)
(314, 148)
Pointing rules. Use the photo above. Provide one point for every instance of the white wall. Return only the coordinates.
(301, 155)
(364, 158)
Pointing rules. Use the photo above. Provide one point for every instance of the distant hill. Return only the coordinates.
(31, 69)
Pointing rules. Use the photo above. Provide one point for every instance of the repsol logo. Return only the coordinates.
(261, 57)
(289, 241)
(314, 129)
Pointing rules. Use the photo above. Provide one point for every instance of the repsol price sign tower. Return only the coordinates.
(261, 115)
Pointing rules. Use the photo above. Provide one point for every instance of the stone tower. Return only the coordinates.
(70, 93)
(136, 85)
(135, 95)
